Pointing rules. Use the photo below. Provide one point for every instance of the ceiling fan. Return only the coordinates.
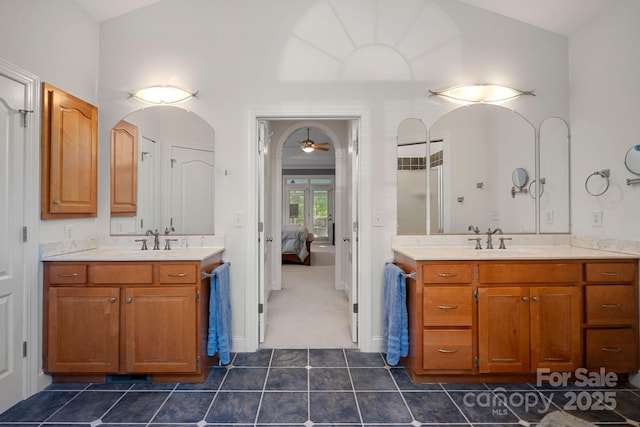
(308, 145)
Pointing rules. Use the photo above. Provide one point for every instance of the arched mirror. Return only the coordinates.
(553, 185)
(412, 177)
(162, 173)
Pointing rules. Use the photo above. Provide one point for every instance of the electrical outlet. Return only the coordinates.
(67, 232)
(548, 216)
(596, 218)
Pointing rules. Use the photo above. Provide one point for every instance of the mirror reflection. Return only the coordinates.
(162, 173)
(553, 185)
(472, 153)
(632, 159)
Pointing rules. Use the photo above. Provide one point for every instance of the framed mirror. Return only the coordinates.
(162, 173)
(632, 159)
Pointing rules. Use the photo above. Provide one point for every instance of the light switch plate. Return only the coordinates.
(377, 219)
(238, 219)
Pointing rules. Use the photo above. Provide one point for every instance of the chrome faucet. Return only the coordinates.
(156, 239)
(474, 229)
(489, 234)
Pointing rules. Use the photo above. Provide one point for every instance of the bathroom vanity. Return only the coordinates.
(499, 315)
(114, 313)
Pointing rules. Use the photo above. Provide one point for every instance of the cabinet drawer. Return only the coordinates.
(611, 304)
(447, 306)
(529, 273)
(121, 273)
(178, 273)
(446, 273)
(610, 272)
(67, 274)
(613, 349)
(447, 349)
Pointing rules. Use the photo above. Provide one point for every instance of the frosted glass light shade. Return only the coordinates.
(483, 93)
(162, 95)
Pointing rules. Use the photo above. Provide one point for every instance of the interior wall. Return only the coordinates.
(604, 121)
(59, 42)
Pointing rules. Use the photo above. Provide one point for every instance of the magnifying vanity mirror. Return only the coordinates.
(162, 173)
(474, 156)
(632, 159)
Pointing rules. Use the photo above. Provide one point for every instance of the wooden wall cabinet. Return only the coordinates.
(124, 169)
(69, 176)
(110, 318)
(502, 320)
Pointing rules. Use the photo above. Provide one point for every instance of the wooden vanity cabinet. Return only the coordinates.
(69, 175)
(529, 317)
(109, 318)
(611, 316)
(500, 321)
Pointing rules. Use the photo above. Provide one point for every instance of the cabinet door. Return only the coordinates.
(124, 169)
(555, 328)
(503, 329)
(160, 329)
(69, 155)
(83, 330)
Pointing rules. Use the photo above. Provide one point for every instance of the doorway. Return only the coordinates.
(321, 204)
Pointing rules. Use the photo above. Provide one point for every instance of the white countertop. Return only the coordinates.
(465, 253)
(134, 254)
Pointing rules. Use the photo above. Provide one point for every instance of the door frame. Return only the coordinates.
(33, 377)
(316, 113)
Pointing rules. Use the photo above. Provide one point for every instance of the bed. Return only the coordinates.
(296, 245)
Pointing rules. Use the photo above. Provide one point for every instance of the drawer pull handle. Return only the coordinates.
(68, 275)
(612, 350)
(447, 307)
(447, 274)
(113, 299)
(503, 360)
(554, 359)
(610, 305)
(177, 274)
(442, 350)
(610, 273)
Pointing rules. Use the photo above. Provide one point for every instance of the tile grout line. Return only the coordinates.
(217, 391)
(353, 388)
(264, 387)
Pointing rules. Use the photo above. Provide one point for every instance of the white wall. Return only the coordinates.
(605, 112)
(59, 42)
(256, 53)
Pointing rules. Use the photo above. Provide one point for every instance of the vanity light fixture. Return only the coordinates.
(481, 93)
(162, 95)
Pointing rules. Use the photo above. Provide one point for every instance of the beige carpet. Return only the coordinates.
(309, 312)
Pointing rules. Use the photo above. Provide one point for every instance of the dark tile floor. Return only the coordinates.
(316, 387)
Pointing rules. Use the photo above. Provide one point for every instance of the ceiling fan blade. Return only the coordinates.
(322, 143)
(321, 148)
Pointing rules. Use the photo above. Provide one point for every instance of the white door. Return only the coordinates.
(12, 282)
(351, 233)
(192, 174)
(262, 240)
(148, 215)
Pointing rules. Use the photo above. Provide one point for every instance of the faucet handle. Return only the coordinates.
(502, 239)
(167, 243)
(144, 244)
(477, 239)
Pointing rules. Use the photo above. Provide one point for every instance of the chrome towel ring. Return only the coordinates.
(594, 190)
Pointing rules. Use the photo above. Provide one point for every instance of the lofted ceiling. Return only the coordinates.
(559, 16)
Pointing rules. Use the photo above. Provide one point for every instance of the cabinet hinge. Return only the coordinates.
(197, 361)
(260, 308)
(475, 295)
(24, 349)
(24, 233)
(355, 308)
(476, 361)
(197, 295)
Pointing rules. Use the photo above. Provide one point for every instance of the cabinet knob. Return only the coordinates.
(56, 202)
(113, 299)
(535, 299)
(129, 300)
(525, 299)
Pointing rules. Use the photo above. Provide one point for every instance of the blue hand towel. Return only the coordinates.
(395, 332)
(219, 337)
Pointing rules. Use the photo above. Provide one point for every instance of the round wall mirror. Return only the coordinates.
(632, 159)
(520, 177)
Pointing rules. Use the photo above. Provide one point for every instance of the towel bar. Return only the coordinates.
(204, 274)
(411, 275)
